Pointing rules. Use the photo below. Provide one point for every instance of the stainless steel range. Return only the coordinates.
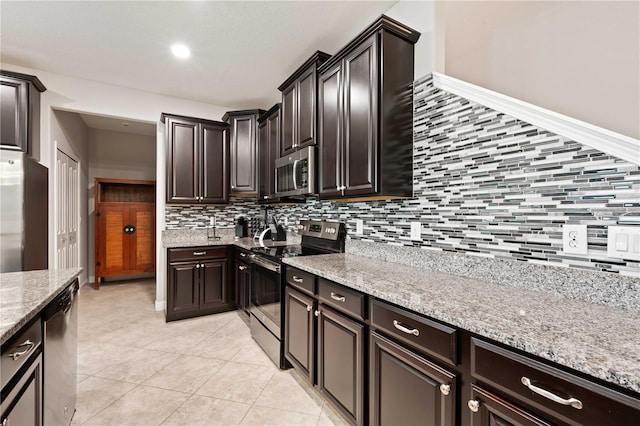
(267, 284)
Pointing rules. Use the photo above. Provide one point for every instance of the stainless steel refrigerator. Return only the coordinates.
(24, 224)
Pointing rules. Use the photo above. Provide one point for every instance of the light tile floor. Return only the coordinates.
(135, 369)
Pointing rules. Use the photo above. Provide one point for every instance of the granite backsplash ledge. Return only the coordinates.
(601, 288)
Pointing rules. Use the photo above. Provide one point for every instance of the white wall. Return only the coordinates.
(79, 95)
(419, 15)
(577, 58)
(116, 155)
(70, 135)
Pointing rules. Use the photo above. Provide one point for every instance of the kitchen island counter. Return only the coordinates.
(24, 294)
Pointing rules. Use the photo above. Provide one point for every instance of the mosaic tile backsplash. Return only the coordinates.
(486, 184)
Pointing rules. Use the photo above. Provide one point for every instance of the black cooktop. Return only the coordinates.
(281, 252)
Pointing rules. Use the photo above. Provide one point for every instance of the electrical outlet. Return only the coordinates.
(416, 231)
(359, 227)
(574, 239)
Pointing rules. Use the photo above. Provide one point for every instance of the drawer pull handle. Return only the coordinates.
(242, 267)
(445, 389)
(14, 356)
(199, 253)
(474, 405)
(297, 280)
(337, 297)
(397, 324)
(575, 403)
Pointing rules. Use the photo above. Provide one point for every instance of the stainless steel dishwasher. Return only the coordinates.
(61, 357)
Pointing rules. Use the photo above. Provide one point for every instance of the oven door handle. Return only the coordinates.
(266, 264)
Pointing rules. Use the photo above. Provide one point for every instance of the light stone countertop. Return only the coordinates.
(601, 341)
(24, 294)
(198, 238)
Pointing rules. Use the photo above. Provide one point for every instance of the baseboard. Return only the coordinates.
(160, 305)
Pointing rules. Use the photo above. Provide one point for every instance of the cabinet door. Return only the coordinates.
(288, 121)
(112, 244)
(183, 289)
(274, 148)
(406, 389)
(213, 284)
(340, 363)
(183, 163)
(242, 280)
(263, 161)
(14, 113)
(361, 119)
(306, 112)
(298, 331)
(142, 242)
(492, 410)
(214, 170)
(243, 154)
(330, 131)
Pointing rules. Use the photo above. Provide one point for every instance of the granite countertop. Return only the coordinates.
(198, 237)
(601, 341)
(24, 294)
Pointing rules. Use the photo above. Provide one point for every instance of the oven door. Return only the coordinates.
(266, 294)
(295, 173)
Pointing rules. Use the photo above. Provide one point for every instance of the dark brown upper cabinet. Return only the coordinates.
(365, 115)
(268, 151)
(299, 105)
(243, 138)
(20, 112)
(197, 160)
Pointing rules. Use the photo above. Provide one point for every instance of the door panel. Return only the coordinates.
(330, 105)
(67, 211)
(361, 90)
(182, 166)
(299, 336)
(144, 238)
(215, 162)
(13, 113)
(274, 150)
(340, 362)
(184, 288)
(213, 284)
(243, 158)
(306, 108)
(288, 121)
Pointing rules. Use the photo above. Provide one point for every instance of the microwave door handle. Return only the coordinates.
(295, 174)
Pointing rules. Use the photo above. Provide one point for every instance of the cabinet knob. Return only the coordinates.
(445, 389)
(242, 268)
(474, 405)
(198, 266)
(309, 308)
(317, 313)
(5, 422)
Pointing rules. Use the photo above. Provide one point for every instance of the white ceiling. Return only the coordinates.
(122, 125)
(241, 51)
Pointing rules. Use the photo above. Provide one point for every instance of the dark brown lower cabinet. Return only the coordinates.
(407, 389)
(22, 405)
(198, 282)
(491, 410)
(341, 362)
(299, 347)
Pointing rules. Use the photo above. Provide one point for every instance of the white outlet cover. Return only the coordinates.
(359, 227)
(574, 239)
(416, 231)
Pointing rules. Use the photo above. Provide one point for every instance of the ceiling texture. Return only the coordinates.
(240, 51)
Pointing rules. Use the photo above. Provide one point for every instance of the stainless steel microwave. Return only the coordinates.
(295, 173)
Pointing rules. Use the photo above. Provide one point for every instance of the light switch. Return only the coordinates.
(623, 242)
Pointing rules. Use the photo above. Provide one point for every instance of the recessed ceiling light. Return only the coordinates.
(180, 51)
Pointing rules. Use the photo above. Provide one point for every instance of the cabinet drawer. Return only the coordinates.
(556, 393)
(301, 280)
(16, 352)
(425, 335)
(342, 298)
(196, 253)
